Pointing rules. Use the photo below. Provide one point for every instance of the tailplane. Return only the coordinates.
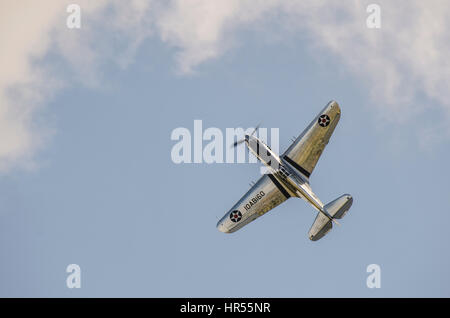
(339, 207)
(336, 209)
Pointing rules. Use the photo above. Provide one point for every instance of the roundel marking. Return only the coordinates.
(324, 120)
(235, 216)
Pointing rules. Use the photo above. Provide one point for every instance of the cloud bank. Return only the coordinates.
(406, 58)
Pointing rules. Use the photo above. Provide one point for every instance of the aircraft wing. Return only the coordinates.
(265, 194)
(305, 151)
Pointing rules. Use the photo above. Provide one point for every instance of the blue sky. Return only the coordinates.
(87, 176)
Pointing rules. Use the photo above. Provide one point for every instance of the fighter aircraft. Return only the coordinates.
(288, 176)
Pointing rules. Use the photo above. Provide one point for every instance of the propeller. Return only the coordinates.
(256, 128)
(237, 143)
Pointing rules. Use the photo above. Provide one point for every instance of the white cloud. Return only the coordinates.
(406, 58)
(204, 29)
(24, 29)
(28, 31)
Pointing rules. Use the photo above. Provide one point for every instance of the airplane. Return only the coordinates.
(288, 176)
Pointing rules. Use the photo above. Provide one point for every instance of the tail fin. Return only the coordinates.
(339, 207)
(336, 209)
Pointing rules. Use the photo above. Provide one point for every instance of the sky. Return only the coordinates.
(87, 178)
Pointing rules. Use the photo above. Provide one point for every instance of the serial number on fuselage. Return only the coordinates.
(254, 200)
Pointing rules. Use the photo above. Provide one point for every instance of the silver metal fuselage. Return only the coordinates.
(293, 181)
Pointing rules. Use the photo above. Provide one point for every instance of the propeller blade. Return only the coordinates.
(256, 128)
(236, 143)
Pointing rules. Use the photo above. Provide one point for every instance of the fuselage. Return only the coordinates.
(293, 181)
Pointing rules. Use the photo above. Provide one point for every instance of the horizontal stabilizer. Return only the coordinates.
(321, 226)
(336, 209)
(340, 206)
